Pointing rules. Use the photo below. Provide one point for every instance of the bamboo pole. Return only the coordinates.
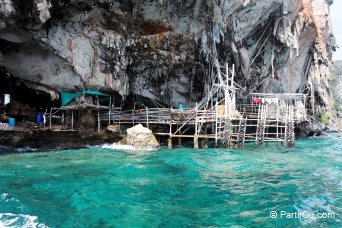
(169, 143)
(277, 121)
(98, 121)
(72, 119)
(196, 146)
(180, 138)
(147, 118)
(133, 116)
(205, 143)
(50, 118)
(216, 124)
(109, 114)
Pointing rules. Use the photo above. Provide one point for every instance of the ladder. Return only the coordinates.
(261, 125)
(228, 132)
(220, 128)
(289, 129)
(241, 133)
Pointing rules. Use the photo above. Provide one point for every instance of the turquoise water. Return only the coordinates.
(173, 188)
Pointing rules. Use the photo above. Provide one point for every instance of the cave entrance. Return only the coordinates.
(25, 102)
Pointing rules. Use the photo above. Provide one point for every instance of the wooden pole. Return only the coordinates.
(109, 114)
(277, 121)
(98, 121)
(50, 118)
(227, 73)
(147, 118)
(196, 142)
(169, 143)
(233, 75)
(179, 141)
(133, 116)
(196, 124)
(216, 124)
(72, 119)
(114, 112)
(205, 143)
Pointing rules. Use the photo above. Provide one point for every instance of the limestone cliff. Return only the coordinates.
(169, 50)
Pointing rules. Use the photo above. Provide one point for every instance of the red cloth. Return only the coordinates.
(256, 100)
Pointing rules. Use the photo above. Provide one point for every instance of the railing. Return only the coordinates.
(278, 114)
(157, 116)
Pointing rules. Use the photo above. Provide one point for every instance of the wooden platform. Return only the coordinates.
(216, 117)
(254, 126)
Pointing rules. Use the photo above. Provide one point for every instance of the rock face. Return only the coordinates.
(168, 50)
(338, 82)
(337, 85)
(140, 138)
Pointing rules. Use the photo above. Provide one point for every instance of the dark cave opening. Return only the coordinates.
(25, 102)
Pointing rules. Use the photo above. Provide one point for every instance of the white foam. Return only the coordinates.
(10, 220)
(116, 146)
(127, 148)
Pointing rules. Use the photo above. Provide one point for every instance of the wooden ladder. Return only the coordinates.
(227, 133)
(261, 125)
(289, 131)
(241, 133)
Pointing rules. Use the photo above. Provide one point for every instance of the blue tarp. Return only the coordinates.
(67, 97)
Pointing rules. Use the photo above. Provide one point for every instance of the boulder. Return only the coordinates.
(140, 138)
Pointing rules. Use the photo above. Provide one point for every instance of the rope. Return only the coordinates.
(147, 95)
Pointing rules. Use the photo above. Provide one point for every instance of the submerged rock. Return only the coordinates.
(140, 138)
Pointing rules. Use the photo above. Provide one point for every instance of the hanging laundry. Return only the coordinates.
(256, 100)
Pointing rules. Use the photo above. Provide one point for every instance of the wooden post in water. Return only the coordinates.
(216, 124)
(180, 138)
(169, 143)
(205, 143)
(196, 130)
(196, 146)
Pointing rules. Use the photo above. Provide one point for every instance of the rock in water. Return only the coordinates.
(140, 138)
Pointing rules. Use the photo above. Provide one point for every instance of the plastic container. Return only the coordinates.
(39, 119)
(11, 122)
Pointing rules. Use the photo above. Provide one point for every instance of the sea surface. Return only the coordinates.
(181, 187)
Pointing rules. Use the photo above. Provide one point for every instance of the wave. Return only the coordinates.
(127, 148)
(116, 146)
(9, 220)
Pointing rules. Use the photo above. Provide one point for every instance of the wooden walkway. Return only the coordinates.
(252, 124)
(271, 119)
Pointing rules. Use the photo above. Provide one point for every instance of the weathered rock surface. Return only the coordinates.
(337, 85)
(338, 82)
(167, 50)
(51, 140)
(140, 138)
